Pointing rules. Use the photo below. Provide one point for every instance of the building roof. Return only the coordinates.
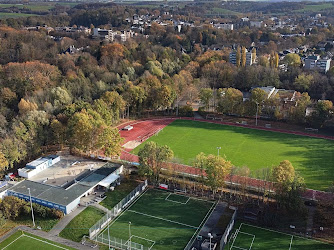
(60, 195)
(41, 160)
(110, 179)
(37, 162)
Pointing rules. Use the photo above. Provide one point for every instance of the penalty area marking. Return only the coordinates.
(183, 203)
(12, 242)
(239, 232)
(142, 238)
(45, 242)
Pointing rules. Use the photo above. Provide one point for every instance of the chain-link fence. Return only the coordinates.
(116, 210)
(121, 244)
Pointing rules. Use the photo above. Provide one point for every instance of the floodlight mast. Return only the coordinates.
(257, 111)
(130, 235)
(32, 210)
(218, 150)
(210, 236)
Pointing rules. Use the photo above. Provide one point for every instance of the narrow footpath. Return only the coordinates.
(64, 221)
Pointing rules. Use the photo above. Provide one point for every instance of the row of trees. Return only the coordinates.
(230, 101)
(12, 208)
(216, 173)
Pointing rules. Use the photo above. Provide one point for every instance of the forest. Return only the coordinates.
(49, 97)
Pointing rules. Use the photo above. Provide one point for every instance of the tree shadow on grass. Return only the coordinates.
(312, 157)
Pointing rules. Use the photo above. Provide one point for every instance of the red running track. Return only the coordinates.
(144, 129)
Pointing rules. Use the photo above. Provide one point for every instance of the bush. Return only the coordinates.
(2, 219)
(201, 110)
(186, 111)
(26, 209)
(11, 207)
(55, 213)
(40, 210)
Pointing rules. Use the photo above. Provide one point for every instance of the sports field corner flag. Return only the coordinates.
(163, 186)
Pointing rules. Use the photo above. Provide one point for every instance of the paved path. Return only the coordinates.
(198, 116)
(46, 235)
(309, 225)
(97, 205)
(64, 221)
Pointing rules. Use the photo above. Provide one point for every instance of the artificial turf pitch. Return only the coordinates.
(26, 241)
(256, 238)
(161, 220)
(313, 158)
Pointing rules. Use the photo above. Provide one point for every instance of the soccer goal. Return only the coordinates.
(180, 191)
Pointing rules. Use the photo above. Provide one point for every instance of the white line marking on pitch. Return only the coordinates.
(183, 203)
(291, 242)
(13, 241)
(162, 219)
(45, 242)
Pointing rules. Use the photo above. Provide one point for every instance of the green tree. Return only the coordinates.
(58, 132)
(115, 103)
(292, 60)
(214, 169)
(289, 185)
(263, 61)
(109, 140)
(276, 60)
(284, 172)
(243, 56)
(60, 97)
(258, 97)
(200, 163)
(3, 162)
(217, 168)
(253, 55)
(152, 159)
(11, 207)
(230, 100)
(80, 130)
(297, 113)
(323, 112)
(238, 57)
(303, 82)
(205, 95)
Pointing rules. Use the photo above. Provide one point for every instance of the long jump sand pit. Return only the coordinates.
(131, 144)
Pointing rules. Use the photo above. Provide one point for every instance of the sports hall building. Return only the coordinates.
(67, 198)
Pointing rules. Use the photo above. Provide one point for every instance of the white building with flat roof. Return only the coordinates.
(38, 165)
(316, 63)
(103, 34)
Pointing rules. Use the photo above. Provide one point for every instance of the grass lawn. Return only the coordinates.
(252, 237)
(224, 11)
(313, 158)
(79, 226)
(316, 7)
(4, 15)
(26, 241)
(157, 222)
(37, 6)
(120, 192)
(46, 224)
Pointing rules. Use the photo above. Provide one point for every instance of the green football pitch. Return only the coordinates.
(159, 220)
(256, 238)
(313, 158)
(26, 241)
